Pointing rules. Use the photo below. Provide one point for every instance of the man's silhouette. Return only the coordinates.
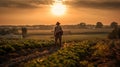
(58, 32)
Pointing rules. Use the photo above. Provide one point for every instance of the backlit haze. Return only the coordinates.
(34, 12)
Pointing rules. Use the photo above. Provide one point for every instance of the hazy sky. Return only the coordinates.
(32, 12)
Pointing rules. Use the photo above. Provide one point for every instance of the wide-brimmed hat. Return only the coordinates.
(57, 23)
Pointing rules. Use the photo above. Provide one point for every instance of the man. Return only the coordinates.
(58, 32)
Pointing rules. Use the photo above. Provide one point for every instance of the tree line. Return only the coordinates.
(98, 25)
(15, 29)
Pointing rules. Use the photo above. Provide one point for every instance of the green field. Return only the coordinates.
(70, 34)
(86, 51)
(70, 31)
(69, 37)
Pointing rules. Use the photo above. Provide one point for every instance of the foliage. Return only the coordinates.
(7, 46)
(99, 25)
(24, 32)
(87, 53)
(114, 24)
(115, 34)
(82, 25)
(84, 53)
(4, 31)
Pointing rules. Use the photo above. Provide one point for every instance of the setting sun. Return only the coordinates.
(58, 8)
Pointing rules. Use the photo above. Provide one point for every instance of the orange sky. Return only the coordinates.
(43, 15)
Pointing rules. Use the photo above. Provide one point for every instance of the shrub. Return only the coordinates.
(115, 34)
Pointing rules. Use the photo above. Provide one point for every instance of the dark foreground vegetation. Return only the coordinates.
(37, 53)
(13, 52)
(93, 53)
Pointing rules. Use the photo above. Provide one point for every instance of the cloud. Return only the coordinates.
(101, 4)
(24, 3)
(97, 4)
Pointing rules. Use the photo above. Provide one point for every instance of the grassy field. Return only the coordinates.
(70, 34)
(69, 31)
(69, 37)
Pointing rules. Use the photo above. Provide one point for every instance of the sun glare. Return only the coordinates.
(58, 8)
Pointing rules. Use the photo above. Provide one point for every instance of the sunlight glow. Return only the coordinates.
(58, 8)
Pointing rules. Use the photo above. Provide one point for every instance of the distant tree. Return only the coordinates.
(14, 30)
(99, 25)
(4, 31)
(24, 32)
(115, 34)
(114, 24)
(82, 25)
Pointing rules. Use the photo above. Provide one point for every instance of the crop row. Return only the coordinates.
(8, 46)
(88, 53)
